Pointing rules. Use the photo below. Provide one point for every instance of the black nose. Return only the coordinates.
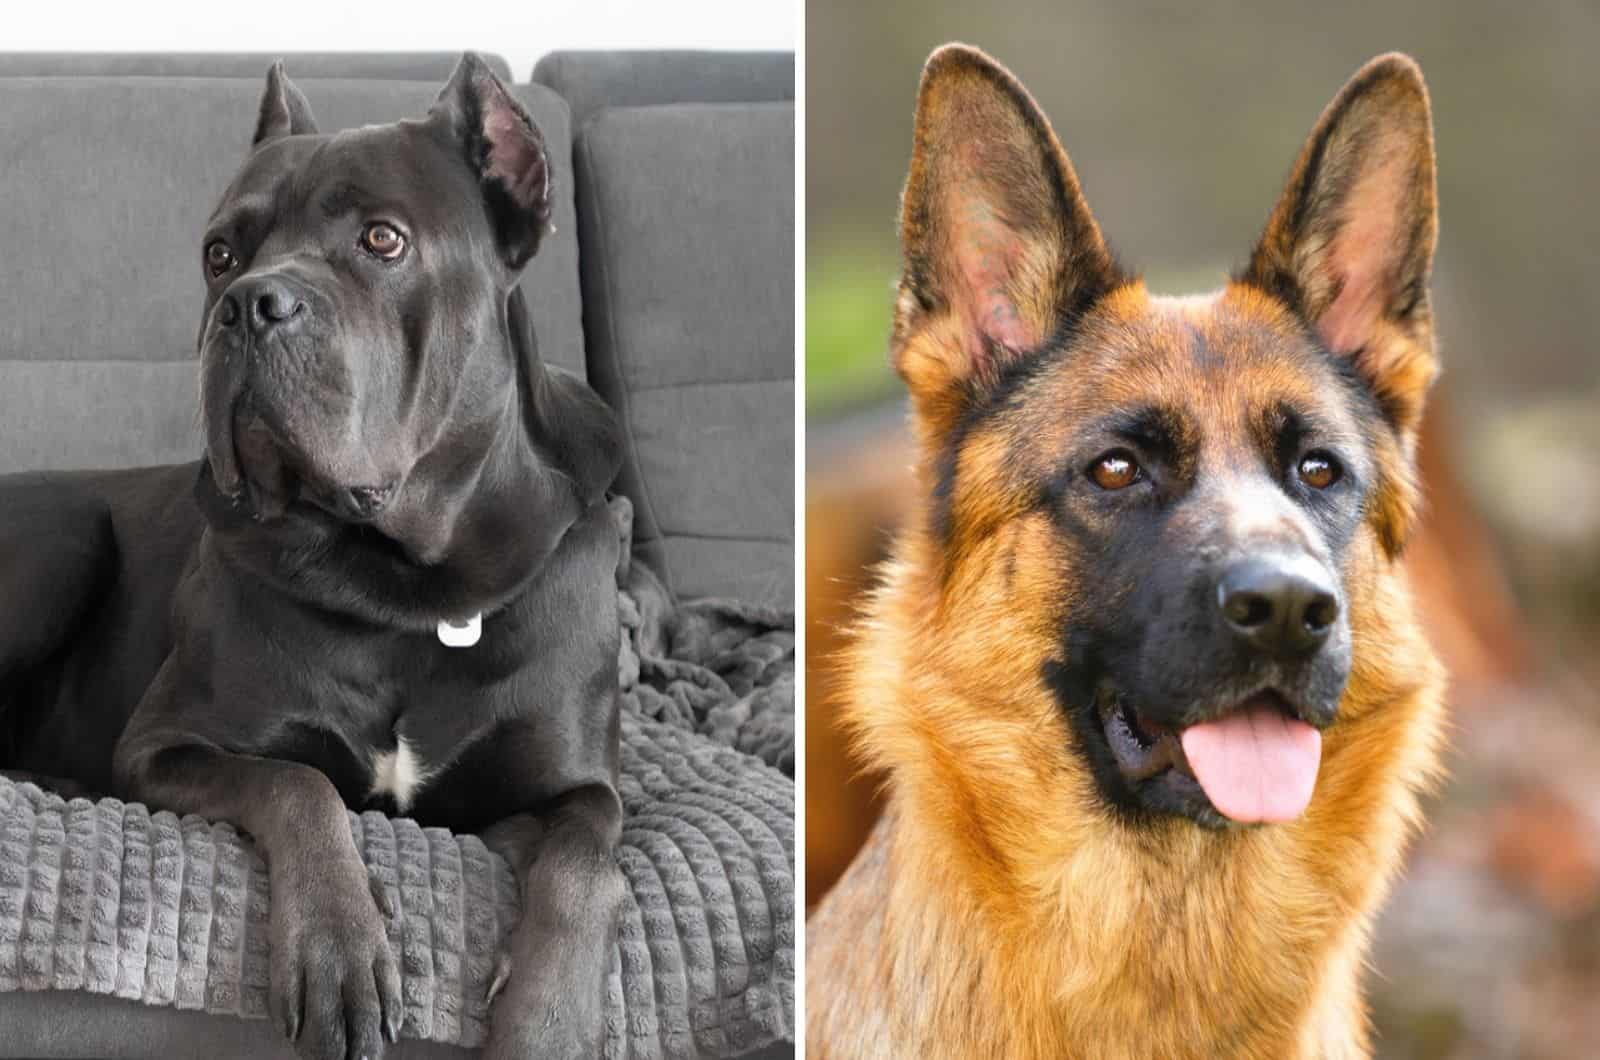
(1281, 607)
(265, 303)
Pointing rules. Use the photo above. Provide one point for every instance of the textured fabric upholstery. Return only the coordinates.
(687, 216)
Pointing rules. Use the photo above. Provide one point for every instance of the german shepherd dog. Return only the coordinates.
(1144, 675)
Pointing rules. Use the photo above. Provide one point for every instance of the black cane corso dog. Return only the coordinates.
(390, 582)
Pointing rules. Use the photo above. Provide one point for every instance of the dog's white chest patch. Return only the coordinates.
(399, 774)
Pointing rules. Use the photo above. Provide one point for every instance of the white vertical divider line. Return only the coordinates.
(800, 522)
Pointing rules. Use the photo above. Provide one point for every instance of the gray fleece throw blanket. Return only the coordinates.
(111, 898)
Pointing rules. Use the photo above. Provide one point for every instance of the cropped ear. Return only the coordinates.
(1000, 248)
(1350, 243)
(504, 147)
(283, 111)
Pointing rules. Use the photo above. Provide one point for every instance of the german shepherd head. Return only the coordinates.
(1169, 514)
(1144, 677)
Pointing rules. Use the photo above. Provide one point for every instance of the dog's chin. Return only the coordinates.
(1142, 763)
(273, 479)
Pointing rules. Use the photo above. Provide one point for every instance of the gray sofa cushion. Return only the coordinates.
(589, 80)
(108, 183)
(373, 66)
(687, 217)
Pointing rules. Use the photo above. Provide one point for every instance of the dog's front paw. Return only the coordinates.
(335, 987)
(540, 1016)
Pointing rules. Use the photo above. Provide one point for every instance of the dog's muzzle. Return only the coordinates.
(1260, 650)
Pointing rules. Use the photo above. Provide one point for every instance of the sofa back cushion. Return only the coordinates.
(105, 186)
(687, 215)
(589, 80)
(371, 66)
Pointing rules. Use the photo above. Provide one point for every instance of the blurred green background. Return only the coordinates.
(1182, 122)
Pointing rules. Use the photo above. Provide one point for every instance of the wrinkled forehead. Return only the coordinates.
(402, 170)
(1216, 372)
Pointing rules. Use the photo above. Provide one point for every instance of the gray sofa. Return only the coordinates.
(668, 284)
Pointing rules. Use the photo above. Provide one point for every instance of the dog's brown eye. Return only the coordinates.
(1319, 470)
(1115, 470)
(383, 240)
(219, 258)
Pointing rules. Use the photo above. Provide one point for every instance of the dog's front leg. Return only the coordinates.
(335, 985)
(552, 1005)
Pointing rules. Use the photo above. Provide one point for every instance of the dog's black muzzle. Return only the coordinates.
(1198, 641)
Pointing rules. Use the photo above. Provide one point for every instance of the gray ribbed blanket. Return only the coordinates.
(111, 898)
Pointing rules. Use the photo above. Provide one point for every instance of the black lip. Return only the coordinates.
(222, 388)
(253, 424)
(1141, 750)
(306, 501)
(1149, 762)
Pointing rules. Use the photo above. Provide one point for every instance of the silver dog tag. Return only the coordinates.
(461, 634)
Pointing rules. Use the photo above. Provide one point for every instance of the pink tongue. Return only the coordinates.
(1255, 764)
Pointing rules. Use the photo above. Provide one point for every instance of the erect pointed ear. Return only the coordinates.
(1350, 243)
(284, 110)
(1000, 248)
(504, 147)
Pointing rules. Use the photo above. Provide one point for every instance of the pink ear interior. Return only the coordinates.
(984, 263)
(1367, 248)
(516, 158)
(986, 251)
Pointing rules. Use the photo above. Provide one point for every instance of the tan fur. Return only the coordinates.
(1000, 909)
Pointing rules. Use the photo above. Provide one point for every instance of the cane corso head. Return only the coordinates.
(1172, 518)
(364, 344)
